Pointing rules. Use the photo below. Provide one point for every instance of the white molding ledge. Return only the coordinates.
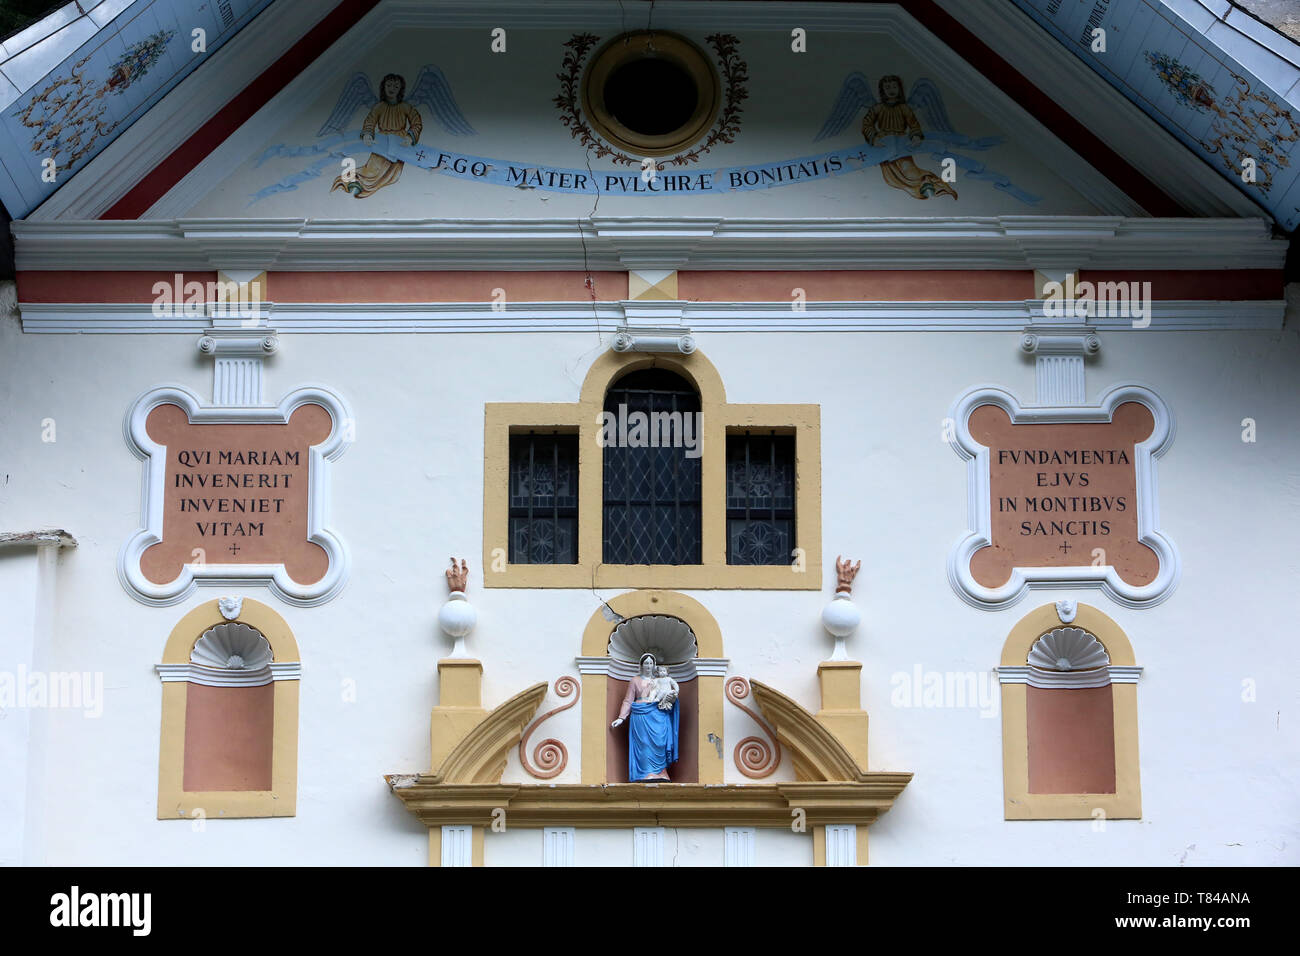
(698, 317)
(273, 576)
(221, 677)
(1040, 677)
(48, 538)
(604, 244)
(979, 504)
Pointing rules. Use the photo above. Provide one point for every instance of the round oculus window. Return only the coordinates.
(650, 94)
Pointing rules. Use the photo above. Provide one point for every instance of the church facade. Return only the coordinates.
(679, 434)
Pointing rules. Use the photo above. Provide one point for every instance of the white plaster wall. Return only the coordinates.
(18, 597)
(1219, 775)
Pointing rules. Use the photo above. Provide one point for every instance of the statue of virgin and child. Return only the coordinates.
(651, 709)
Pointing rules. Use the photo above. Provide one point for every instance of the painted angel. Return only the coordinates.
(392, 115)
(893, 115)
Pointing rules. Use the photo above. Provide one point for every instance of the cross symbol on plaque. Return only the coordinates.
(1065, 546)
(234, 549)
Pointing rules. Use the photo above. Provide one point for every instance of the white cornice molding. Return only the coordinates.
(47, 538)
(182, 112)
(979, 502)
(607, 244)
(1040, 677)
(1100, 108)
(699, 317)
(273, 576)
(222, 677)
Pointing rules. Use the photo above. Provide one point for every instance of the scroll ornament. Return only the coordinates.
(550, 755)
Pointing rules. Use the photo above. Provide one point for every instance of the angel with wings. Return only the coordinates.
(393, 115)
(893, 116)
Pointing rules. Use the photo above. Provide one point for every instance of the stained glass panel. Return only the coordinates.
(652, 471)
(543, 499)
(760, 499)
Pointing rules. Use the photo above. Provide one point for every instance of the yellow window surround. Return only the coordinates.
(719, 418)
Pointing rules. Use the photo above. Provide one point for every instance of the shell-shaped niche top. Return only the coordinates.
(1069, 657)
(669, 639)
(232, 647)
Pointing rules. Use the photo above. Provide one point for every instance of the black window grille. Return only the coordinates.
(652, 470)
(760, 499)
(543, 499)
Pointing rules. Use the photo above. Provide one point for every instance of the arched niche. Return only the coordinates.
(673, 644)
(1069, 717)
(229, 737)
(689, 638)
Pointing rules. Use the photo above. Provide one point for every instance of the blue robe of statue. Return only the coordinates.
(651, 739)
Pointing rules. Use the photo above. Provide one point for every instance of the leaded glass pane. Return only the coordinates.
(759, 542)
(543, 499)
(544, 541)
(652, 471)
(760, 499)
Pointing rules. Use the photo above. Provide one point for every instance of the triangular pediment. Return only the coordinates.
(512, 134)
(864, 112)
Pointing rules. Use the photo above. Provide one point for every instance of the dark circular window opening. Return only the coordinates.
(652, 97)
(650, 94)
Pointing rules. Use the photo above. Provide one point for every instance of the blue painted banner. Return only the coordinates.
(637, 182)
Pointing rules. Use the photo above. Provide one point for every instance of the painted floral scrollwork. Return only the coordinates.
(735, 76)
(754, 756)
(550, 756)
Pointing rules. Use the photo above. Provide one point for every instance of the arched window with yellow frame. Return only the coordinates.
(554, 516)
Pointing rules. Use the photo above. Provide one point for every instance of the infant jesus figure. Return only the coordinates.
(665, 689)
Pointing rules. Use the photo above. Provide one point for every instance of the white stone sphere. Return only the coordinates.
(457, 617)
(841, 617)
